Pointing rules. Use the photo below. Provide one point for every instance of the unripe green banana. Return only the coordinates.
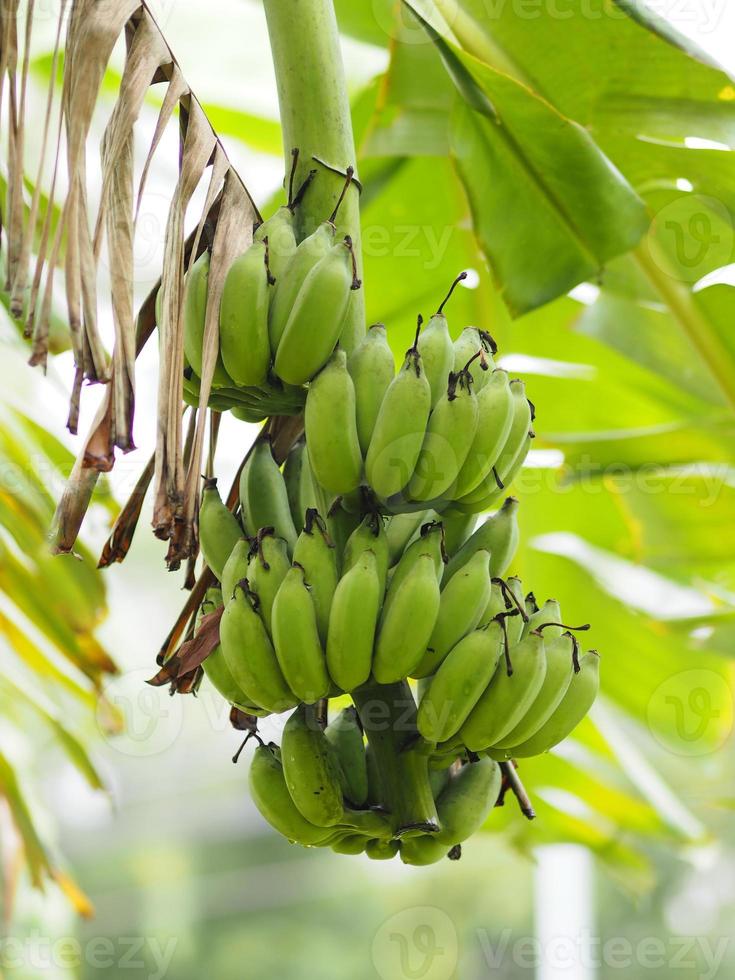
(289, 283)
(250, 415)
(371, 368)
(350, 844)
(345, 735)
(423, 850)
(236, 568)
(407, 622)
(196, 289)
(507, 697)
(341, 524)
(296, 638)
(400, 531)
(315, 553)
(311, 769)
(429, 542)
(353, 622)
(249, 652)
(299, 483)
(270, 794)
(559, 671)
(437, 355)
(459, 682)
(219, 529)
(469, 343)
(381, 850)
(243, 317)
(457, 529)
(269, 564)
(215, 666)
(550, 613)
(495, 416)
(449, 435)
(263, 495)
(438, 779)
(315, 321)
(463, 601)
(281, 235)
(498, 534)
(331, 428)
(468, 799)
(579, 698)
(399, 429)
(369, 535)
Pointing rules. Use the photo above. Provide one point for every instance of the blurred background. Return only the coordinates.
(627, 515)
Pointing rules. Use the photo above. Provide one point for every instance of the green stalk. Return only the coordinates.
(388, 716)
(315, 117)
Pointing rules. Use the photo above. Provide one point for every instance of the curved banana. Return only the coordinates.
(559, 671)
(470, 343)
(249, 652)
(215, 666)
(236, 568)
(331, 428)
(371, 368)
(196, 289)
(243, 317)
(429, 542)
(350, 844)
(449, 436)
(345, 735)
(437, 354)
(270, 794)
(279, 232)
(315, 553)
(299, 484)
(296, 639)
(219, 529)
(508, 696)
(369, 535)
(353, 622)
(263, 495)
(548, 616)
(459, 683)
(315, 321)
(269, 564)
(381, 850)
(579, 698)
(407, 622)
(423, 850)
(457, 529)
(399, 428)
(311, 769)
(495, 415)
(464, 599)
(468, 799)
(400, 531)
(498, 534)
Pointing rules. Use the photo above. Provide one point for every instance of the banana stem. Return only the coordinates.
(315, 117)
(388, 716)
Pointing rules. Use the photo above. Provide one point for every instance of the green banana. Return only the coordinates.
(463, 601)
(508, 696)
(353, 622)
(331, 428)
(296, 638)
(449, 436)
(268, 566)
(437, 354)
(215, 666)
(549, 613)
(306, 255)
(423, 850)
(345, 735)
(407, 622)
(381, 850)
(559, 670)
(368, 535)
(341, 524)
(399, 428)
(278, 231)
(311, 769)
(495, 416)
(315, 553)
(249, 652)
(219, 529)
(459, 682)
(315, 321)
(196, 289)
(371, 368)
(429, 542)
(577, 701)
(263, 495)
(270, 794)
(400, 531)
(457, 528)
(498, 534)
(299, 483)
(470, 343)
(468, 799)
(350, 844)
(243, 317)
(236, 568)
(250, 415)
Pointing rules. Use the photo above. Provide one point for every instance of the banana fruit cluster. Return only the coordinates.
(323, 788)
(281, 314)
(448, 431)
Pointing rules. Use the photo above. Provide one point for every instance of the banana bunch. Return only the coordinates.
(449, 431)
(514, 687)
(281, 315)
